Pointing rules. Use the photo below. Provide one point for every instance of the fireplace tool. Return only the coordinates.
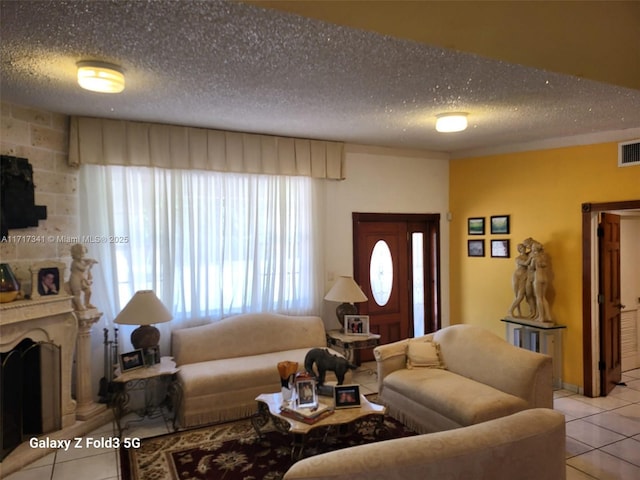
(105, 391)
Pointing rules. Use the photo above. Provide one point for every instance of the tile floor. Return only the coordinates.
(603, 434)
(603, 438)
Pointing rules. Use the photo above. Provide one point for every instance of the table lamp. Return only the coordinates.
(346, 291)
(144, 309)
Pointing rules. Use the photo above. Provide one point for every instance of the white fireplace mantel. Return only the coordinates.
(46, 319)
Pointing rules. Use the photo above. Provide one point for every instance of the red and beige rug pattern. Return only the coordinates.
(233, 451)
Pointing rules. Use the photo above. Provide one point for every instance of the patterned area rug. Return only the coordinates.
(233, 451)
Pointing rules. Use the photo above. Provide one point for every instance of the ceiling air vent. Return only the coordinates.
(629, 153)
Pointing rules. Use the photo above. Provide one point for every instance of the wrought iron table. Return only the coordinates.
(159, 386)
(350, 343)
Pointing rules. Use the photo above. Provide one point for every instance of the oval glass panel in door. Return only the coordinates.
(381, 273)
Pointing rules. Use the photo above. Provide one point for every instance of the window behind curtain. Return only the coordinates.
(209, 244)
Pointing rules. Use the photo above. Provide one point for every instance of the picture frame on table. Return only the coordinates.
(500, 248)
(346, 396)
(475, 226)
(475, 248)
(500, 225)
(306, 395)
(152, 355)
(47, 278)
(356, 324)
(131, 360)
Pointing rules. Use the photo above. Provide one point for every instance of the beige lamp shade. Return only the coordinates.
(347, 291)
(144, 309)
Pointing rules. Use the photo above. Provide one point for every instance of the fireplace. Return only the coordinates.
(37, 342)
(30, 398)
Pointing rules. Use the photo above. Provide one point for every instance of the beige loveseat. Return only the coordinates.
(225, 365)
(528, 445)
(474, 376)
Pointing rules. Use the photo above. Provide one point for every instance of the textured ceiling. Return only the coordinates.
(237, 66)
(599, 40)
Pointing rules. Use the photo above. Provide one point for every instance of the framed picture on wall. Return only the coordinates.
(499, 224)
(475, 226)
(500, 248)
(475, 248)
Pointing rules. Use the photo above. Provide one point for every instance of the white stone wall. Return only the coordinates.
(43, 138)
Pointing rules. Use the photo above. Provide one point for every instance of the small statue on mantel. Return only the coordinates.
(80, 278)
(531, 281)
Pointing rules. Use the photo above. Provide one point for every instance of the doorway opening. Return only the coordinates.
(593, 361)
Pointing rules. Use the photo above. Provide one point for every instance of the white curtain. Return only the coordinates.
(209, 244)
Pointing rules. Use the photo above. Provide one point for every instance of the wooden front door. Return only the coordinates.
(396, 263)
(609, 301)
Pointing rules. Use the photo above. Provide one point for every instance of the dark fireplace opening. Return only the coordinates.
(30, 393)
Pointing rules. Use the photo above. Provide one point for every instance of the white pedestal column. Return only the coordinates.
(86, 407)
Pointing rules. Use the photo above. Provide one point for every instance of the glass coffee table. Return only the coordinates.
(269, 408)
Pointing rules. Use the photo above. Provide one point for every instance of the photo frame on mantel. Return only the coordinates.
(47, 278)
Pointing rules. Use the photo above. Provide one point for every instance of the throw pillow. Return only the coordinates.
(424, 355)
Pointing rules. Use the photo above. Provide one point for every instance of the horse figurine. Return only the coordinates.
(324, 362)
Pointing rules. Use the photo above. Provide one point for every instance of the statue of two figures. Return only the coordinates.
(532, 282)
(80, 278)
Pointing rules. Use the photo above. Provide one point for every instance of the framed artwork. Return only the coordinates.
(306, 395)
(131, 360)
(500, 224)
(47, 278)
(475, 226)
(475, 248)
(356, 324)
(152, 355)
(346, 396)
(500, 248)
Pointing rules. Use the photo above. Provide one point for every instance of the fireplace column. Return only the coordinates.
(86, 407)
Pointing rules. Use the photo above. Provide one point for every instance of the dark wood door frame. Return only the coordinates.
(432, 259)
(588, 209)
(609, 302)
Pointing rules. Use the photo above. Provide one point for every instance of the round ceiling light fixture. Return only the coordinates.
(100, 77)
(451, 122)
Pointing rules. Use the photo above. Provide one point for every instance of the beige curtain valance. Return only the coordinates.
(119, 142)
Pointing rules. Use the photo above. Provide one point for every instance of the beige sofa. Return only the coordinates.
(225, 365)
(528, 445)
(479, 377)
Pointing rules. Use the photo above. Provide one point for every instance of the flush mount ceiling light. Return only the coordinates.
(451, 122)
(100, 77)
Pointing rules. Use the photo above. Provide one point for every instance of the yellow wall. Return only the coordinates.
(542, 191)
